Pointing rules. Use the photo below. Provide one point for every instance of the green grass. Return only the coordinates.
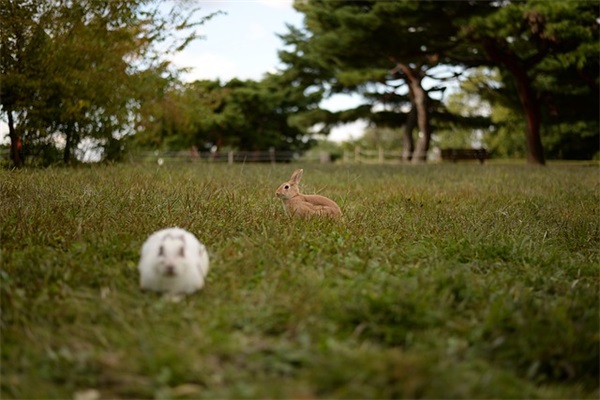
(441, 281)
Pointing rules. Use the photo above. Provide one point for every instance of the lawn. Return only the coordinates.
(441, 281)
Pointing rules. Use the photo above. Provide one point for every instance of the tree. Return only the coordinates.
(397, 48)
(569, 114)
(72, 68)
(536, 42)
(244, 115)
(20, 41)
(538, 47)
(492, 116)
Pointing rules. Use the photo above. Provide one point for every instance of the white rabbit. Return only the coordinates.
(173, 261)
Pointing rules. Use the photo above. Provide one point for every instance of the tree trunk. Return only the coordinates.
(408, 144)
(421, 149)
(420, 102)
(531, 107)
(16, 145)
(527, 97)
(69, 132)
(420, 105)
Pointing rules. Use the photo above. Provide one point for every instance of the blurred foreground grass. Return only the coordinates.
(444, 281)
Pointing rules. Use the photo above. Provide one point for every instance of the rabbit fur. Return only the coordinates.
(173, 261)
(305, 205)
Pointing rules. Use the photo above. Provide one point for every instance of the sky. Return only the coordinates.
(240, 43)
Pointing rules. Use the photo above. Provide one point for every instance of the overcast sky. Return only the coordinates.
(240, 43)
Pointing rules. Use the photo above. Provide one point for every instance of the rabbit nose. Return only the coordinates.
(170, 270)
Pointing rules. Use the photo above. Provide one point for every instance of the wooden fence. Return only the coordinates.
(353, 156)
(357, 155)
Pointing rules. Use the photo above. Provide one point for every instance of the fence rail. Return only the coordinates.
(356, 155)
(230, 157)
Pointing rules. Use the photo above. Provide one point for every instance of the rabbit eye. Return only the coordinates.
(286, 187)
(181, 252)
(161, 251)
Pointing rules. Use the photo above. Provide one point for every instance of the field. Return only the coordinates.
(441, 281)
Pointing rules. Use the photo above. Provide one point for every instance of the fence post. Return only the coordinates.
(357, 154)
(272, 154)
(230, 157)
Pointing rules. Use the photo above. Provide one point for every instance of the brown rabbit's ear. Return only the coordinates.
(296, 176)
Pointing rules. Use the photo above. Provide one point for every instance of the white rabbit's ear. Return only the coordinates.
(296, 176)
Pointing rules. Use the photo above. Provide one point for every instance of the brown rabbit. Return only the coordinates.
(305, 205)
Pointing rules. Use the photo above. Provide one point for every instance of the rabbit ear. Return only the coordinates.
(296, 176)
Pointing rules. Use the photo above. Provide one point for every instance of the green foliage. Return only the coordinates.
(570, 130)
(379, 49)
(245, 115)
(494, 124)
(440, 281)
(94, 73)
(548, 55)
(75, 71)
(374, 138)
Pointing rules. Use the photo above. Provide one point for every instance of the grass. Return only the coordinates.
(441, 281)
